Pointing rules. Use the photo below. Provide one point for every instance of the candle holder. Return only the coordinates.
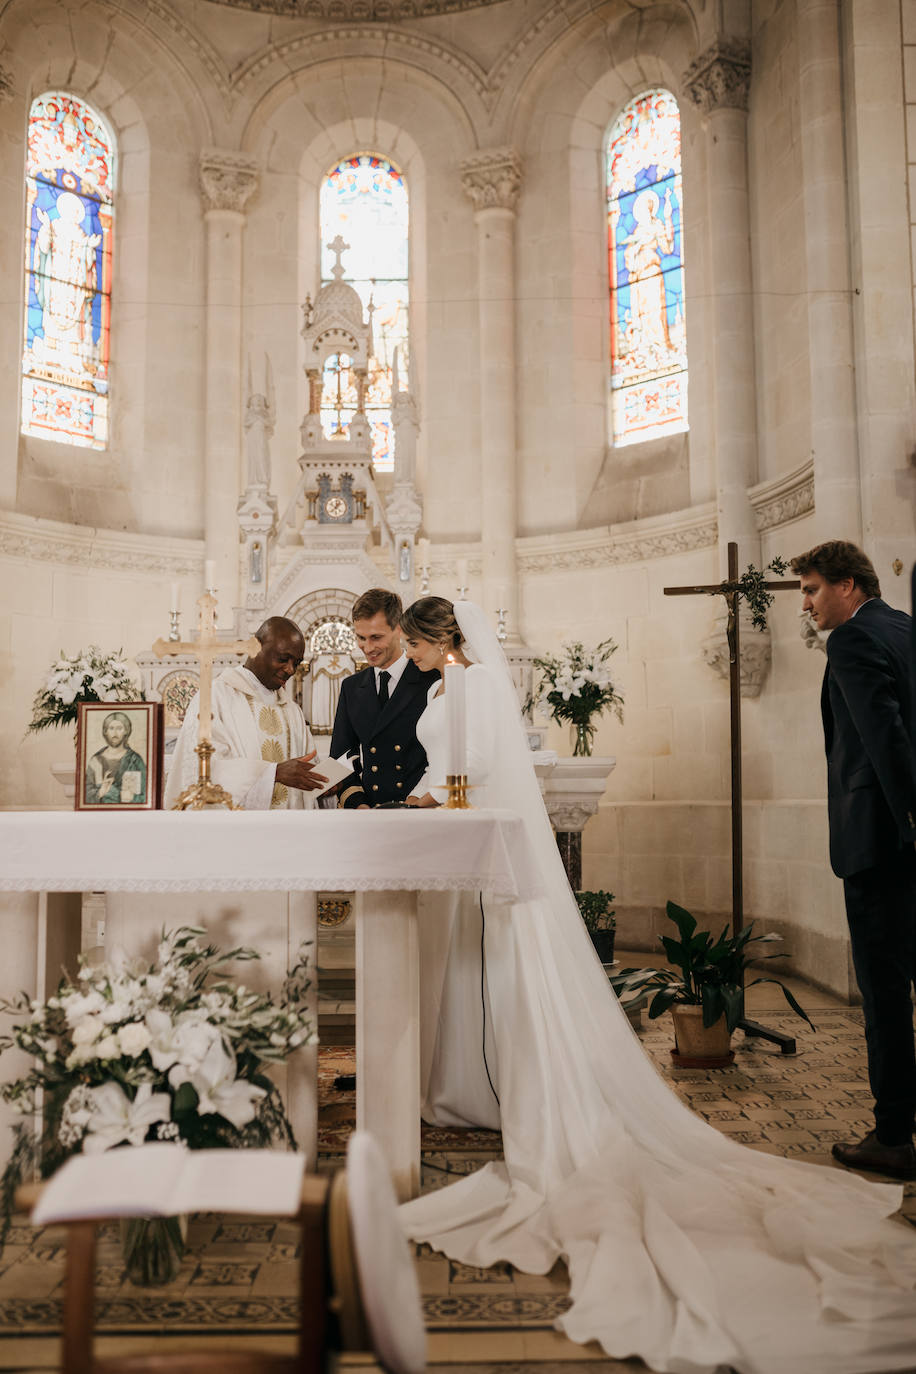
(463, 593)
(424, 581)
(174, 634)
(457, 784)
(205, 792)
(502, 634)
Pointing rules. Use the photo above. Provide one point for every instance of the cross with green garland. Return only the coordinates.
(756, 592)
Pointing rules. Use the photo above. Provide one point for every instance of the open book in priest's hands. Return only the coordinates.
(165, 1180)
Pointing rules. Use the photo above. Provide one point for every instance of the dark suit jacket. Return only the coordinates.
(389, 758)
(866, 703)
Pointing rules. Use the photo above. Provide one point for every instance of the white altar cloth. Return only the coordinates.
(387, 857)
(260, 851)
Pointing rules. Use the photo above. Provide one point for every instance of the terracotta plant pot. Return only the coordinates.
(698, 1046)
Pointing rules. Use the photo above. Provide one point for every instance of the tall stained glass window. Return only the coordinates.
(646, 270)
(68, 234)
(364, 199)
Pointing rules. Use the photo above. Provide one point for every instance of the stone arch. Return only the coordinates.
(318, 607)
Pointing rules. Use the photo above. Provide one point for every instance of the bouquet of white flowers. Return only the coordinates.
(90, 676)
(168, 1051)
(576, 686)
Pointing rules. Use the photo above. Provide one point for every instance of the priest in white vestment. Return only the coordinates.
(262, 748)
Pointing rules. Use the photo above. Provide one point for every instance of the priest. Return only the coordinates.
(262, 750)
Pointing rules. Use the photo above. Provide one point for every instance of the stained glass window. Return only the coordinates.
(68, 239)
(364, 199)
(646, 269)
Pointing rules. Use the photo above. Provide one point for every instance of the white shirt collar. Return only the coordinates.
(395, 670)
(266, 694)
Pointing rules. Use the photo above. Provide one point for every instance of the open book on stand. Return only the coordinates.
(165, 1180)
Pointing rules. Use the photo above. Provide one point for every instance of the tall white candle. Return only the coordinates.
(423, 551)
(209, 574)
(455, 715)
(176, 597)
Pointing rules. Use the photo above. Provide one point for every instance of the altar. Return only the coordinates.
(386, 857)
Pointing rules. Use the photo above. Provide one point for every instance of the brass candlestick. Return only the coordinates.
(457, 784)
(204, 792)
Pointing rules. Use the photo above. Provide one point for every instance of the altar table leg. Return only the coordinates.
(19, 972)
(388, 1031)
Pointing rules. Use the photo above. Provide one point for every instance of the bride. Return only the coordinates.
(684, 1248)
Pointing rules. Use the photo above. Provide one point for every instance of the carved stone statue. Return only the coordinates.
(260, 418)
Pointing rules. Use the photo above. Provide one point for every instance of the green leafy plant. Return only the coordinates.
(707, 973)
(751, 585)
(595, 909)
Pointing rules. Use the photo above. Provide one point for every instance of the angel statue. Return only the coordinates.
(260, 418)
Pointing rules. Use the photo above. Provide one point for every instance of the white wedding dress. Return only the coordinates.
(684, 1248)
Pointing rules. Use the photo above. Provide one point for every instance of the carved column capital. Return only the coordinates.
(227, 180)
(720, 78)
(492, 178)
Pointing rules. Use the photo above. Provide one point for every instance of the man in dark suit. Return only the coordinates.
(378, 710)
(866, 703)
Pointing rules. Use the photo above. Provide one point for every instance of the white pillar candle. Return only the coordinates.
(209, 574)
(176, 597)
(423, 550)
(457, 757)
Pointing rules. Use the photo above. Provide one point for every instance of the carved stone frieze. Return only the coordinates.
(96, 549)
(720, 78)
(227, 180)
(787, 498)
(566, 816)
(756, 653)
(363, 11)
(492, 178)
(538, 554)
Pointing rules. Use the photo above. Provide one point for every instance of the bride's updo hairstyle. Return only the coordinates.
(432, 618)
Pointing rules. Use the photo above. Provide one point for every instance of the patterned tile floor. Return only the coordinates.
(239, 1277)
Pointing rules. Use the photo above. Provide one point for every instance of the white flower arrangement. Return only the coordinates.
(169, 1051)
(89, 676)
(576, 686)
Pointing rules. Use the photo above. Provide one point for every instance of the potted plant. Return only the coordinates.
(596, 911)
(704, 991)
(576, 686)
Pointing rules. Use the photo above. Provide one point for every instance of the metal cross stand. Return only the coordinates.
(205, 792)
(730, 592)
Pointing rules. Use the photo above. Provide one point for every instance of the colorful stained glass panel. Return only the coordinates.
(364, 199)
(646, 271)
(68, 244)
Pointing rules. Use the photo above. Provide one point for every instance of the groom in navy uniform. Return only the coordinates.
(866, 704)
(378, 710)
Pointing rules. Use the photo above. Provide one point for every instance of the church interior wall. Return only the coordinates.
(134, 514)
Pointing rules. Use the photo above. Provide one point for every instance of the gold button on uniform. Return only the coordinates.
(372, 749)
(397, 749)
(397, 784)
(375, 787)
(375, 768)
(397, 768)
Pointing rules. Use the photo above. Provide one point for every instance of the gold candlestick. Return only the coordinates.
(457, 784)
(205, 792)
(174, 632)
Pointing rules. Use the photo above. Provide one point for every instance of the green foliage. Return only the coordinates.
(752, 586)
(595, 909)
(707, 973)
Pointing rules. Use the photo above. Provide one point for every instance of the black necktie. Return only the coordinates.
(383, 680)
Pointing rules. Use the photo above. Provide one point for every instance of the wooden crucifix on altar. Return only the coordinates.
(730, 589)
(205, 792)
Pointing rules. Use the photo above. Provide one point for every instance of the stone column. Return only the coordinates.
(492, 179)
(227, 180)
(834, 440)
(717, 83)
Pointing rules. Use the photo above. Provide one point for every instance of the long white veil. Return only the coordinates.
(683, 1246)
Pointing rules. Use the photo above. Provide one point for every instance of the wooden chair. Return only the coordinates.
(357, 1291)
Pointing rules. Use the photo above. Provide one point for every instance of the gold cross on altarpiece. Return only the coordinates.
(729, 591)
(205, 792)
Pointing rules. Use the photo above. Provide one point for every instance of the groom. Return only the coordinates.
(378, 710)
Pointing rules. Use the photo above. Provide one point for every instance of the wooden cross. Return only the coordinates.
(730, 592)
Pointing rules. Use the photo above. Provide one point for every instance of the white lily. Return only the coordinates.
(217, 1088)
(115, 1118)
